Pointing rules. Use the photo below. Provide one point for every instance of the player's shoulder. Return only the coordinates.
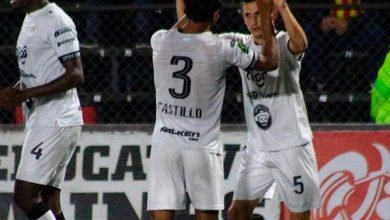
(159, 34)
(234, 36)
(53, 17)
(57, 15)
(282, 36)
(157, 37)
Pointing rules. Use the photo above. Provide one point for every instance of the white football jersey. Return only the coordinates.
(190, 84)
(47, 37)
(275, 109)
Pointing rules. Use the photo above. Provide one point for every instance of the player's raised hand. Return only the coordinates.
(11, 97)
(279, 4)
(265, 6)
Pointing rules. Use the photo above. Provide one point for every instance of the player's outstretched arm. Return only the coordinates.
(73, 76)
(298, 40)
(269, 56)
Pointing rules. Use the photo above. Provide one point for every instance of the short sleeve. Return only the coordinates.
(64, 40)
(156, 37)
(238, 54)
(283, 41)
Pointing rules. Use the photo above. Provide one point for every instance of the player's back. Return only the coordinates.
(190, 84)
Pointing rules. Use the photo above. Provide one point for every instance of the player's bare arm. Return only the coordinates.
(298, 40)
(73, 76)
(269, 56)
(179, 9)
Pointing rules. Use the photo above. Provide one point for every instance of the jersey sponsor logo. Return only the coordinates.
(21, 53)
(257, 76)
(62, 31)
(262, 117)
(67, 41)
(261, 95)
(181, 111)
(356, 185)
(192, 136)
(240, 45)
(26, 75)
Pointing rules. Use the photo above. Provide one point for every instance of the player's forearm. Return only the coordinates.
(298, 39)
(180, 9)
(70, 79)
(270, 52)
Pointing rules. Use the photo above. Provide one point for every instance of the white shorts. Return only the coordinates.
(294, 170)
(46, 152)
(176, 170)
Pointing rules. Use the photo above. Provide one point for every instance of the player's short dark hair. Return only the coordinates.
(243, 2)
(201, 10)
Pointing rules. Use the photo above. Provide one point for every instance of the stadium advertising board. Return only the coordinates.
(106, 178)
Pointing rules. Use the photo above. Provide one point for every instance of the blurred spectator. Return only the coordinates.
(346, 46)
(380, 94)
(93, 24)
(143, 20)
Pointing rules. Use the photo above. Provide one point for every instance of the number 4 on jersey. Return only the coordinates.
(37, 151)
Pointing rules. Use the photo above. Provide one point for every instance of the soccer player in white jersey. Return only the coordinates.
(50, 69)
(279, 141)
(189, 63)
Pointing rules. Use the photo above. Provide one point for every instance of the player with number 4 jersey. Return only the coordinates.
(50, 69)
(189, 63)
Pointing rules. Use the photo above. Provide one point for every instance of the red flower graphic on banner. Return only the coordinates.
(355, 184)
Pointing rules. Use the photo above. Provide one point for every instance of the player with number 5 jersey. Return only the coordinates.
(279, 141)
(189, 63)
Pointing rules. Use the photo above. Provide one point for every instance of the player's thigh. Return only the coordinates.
(45, 153)
(203, 171)
(166, 190)
(68, 144)
(254, 177)
(297, 178)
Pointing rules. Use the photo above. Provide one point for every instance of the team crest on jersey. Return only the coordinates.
(21, 53)
(262, 117)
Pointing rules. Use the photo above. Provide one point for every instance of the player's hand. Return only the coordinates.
(328, 23)
(265, 6)
(278, 4)
(341, 26)
(11, 97)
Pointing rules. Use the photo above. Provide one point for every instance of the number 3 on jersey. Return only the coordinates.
(182, 74)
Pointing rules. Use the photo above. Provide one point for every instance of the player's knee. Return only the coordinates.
(300, 215)
(22, 201)
(25, 200)
(161, 214)
(233, 212)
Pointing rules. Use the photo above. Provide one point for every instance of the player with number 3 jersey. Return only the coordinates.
(189, 63)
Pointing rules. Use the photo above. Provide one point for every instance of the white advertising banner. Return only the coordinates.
(106, 178)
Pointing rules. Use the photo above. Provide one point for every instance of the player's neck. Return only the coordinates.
(258, 40)
(37, 5)
(194, 28)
